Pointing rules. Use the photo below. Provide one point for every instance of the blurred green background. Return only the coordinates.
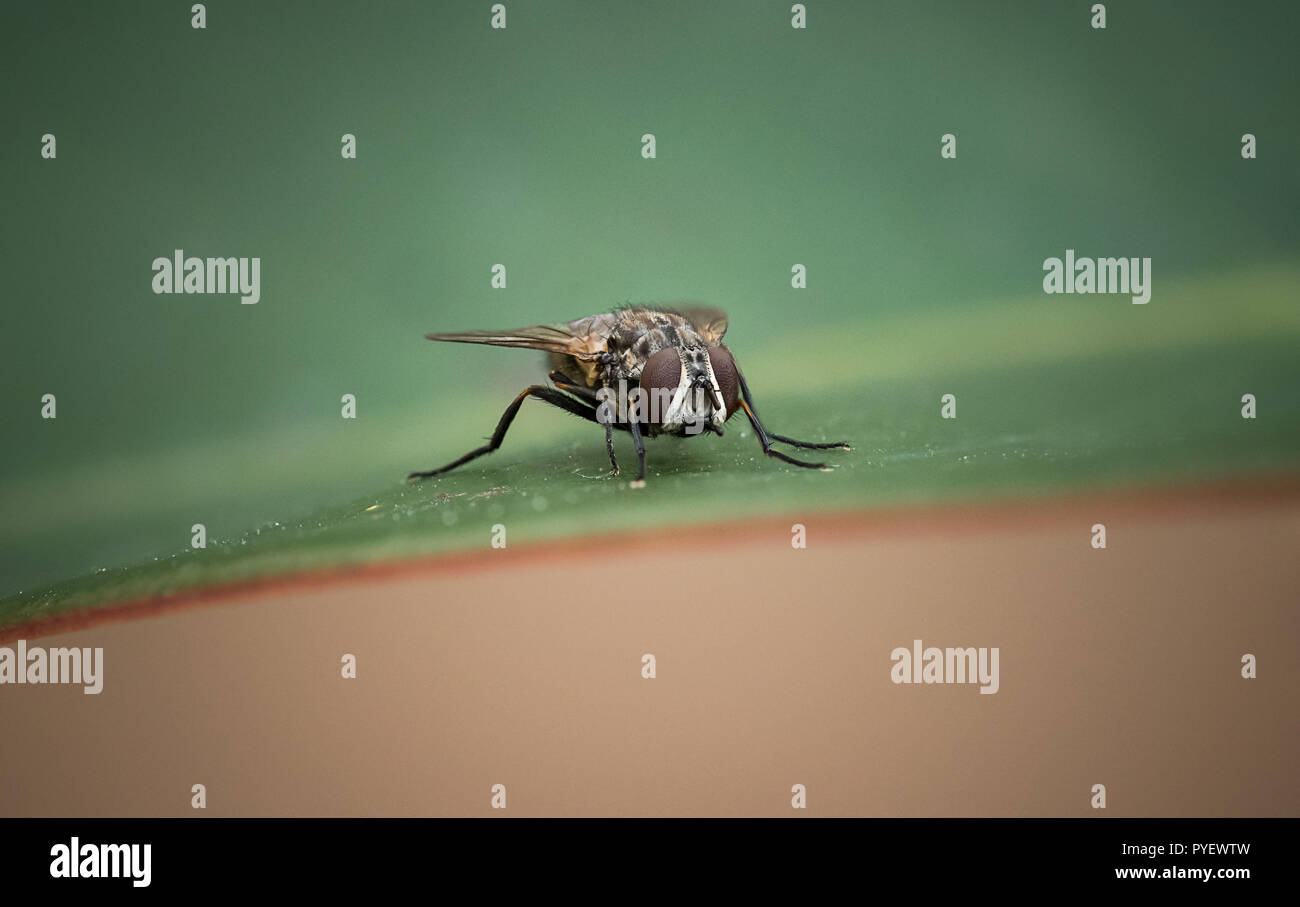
(522, 146)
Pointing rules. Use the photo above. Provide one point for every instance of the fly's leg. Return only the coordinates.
(560, 380)
(587, 393)
(766, 441)
(609, 446)
(635, 428)
(834, 445)
(546, 394)
(763, 432)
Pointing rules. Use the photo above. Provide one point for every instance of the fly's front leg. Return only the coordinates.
(603, 410)
(766, 440)
(752, 413)
(605, 414)
(635, 428)
(833, 445)
(609, 446)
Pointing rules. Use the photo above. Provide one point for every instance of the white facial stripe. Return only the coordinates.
(679, 396)
(676, 412)
(717, 391)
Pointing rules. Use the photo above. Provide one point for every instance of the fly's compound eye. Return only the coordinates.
(661, 376)
(724, 369)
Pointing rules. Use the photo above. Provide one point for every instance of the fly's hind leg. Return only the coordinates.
(546, 394)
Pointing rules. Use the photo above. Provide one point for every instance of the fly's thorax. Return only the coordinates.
(640, 333)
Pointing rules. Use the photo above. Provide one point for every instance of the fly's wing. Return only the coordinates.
(584, 339)
(709, 323)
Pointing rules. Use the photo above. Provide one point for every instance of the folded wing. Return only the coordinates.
(584, 339)
(709, 322)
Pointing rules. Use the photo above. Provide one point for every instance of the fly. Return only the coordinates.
(646, 370)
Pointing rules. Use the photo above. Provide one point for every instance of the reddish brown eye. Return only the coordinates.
(661, 375)
(724, 369)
